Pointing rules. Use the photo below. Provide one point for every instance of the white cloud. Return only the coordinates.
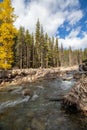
(75, 16)
(74, 42)
(52, 14)
(74, 33)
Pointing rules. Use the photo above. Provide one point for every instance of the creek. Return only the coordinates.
(19, 112)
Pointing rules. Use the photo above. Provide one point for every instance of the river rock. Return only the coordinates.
(77, 75)
(27, 92)
(76, 99)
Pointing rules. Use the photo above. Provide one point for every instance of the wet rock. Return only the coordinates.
(10, 89)
(34, 97)
(77, 75)
(27, 92)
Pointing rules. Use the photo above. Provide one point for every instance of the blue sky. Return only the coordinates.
(63, 32)
(65, 19)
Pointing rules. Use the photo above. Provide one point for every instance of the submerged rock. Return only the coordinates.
(27, 92)
(77, 75)
(77, 97)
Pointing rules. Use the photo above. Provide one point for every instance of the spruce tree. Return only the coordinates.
(28, 48)
(42, 43)
(20, 47)
(37, 44)
(56, 53)
(62, 55)
(70, 56)
(46, 50)
(32, 51)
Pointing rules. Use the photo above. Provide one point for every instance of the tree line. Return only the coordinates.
(40, 50)
(21, 49)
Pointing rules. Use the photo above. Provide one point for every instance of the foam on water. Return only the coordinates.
(11, 103)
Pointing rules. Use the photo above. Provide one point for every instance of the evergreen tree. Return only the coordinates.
(42, 47)
(61, 56)
(32, 52)
(50, 51)
(46, 51)
(28, 49)
(79, 57)
(65, 57)
(56, 53)
(37, 45)
(85, 54)
(20, 47)
(70, 56)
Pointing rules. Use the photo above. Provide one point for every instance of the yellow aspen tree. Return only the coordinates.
(7, 34)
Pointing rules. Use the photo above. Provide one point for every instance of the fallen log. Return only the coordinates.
(76, 99)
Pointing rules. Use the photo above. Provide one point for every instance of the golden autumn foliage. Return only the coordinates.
(7, 34)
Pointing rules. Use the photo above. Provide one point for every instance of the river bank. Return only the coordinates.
(21, 76)
(39, 111)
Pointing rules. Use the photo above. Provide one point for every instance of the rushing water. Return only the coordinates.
(18, 112)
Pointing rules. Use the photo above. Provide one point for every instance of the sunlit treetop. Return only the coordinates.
(7, 12)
